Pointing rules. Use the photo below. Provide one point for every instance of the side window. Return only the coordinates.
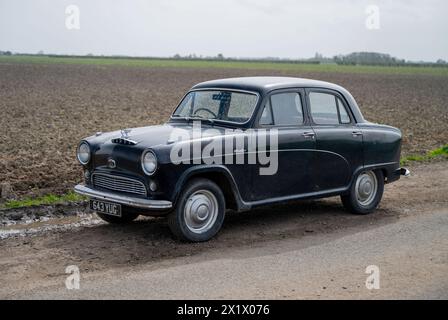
(324, 109)
(343, 113)
(287, 109)
(283, 109)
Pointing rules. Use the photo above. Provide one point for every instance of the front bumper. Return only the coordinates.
(122, 199)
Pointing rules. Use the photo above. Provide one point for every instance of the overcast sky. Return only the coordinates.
(409, 29)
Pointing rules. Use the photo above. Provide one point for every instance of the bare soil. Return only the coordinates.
(46, 109)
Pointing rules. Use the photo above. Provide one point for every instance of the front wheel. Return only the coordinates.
(199, 212)
(365, 193)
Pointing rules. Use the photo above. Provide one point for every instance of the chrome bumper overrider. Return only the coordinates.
(122, 199)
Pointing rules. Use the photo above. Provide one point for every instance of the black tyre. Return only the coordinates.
(199, 212)
(365, 193)
(126, 217)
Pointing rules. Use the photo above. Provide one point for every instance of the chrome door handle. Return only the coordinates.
(309, 134)
(357, 133)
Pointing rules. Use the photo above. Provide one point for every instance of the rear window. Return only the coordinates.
(326, 108)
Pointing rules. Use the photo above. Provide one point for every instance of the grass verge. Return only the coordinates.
(48, 199)
(441, 152)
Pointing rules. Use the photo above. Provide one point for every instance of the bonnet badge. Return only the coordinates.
(111, 163)
(125, 133)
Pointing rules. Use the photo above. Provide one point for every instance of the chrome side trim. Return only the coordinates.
(126, 200)
(310, 195)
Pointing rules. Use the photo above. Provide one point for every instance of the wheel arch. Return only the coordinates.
(387, 169)
(221, 176)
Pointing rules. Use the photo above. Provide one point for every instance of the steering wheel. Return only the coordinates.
(205, 109)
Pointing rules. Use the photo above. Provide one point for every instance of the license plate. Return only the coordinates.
(109, 208)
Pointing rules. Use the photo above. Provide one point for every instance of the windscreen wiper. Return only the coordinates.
(188, 119)
(211, 121)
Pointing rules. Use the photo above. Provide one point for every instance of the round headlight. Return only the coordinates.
(83, 153)
(149, 162)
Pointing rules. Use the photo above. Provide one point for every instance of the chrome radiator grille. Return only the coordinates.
(117, 183)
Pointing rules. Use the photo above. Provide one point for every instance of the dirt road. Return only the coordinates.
(303, 250)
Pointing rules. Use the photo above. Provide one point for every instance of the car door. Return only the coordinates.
(338, 141)
(284, 113)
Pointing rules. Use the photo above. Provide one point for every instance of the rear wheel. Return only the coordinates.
(199, 212)
(365, 193)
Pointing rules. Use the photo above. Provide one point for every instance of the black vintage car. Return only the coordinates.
(238, 144)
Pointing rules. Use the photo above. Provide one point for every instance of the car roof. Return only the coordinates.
(266, 84)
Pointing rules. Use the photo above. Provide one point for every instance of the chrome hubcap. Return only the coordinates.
(366, 188)
(201, 211)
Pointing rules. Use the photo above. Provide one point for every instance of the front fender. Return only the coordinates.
(203, 170)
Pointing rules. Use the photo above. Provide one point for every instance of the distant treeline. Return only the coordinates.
(355, 58)
(379, 59)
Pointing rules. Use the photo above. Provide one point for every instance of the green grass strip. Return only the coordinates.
(49, 199)
(441, 152)
(231, 64)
